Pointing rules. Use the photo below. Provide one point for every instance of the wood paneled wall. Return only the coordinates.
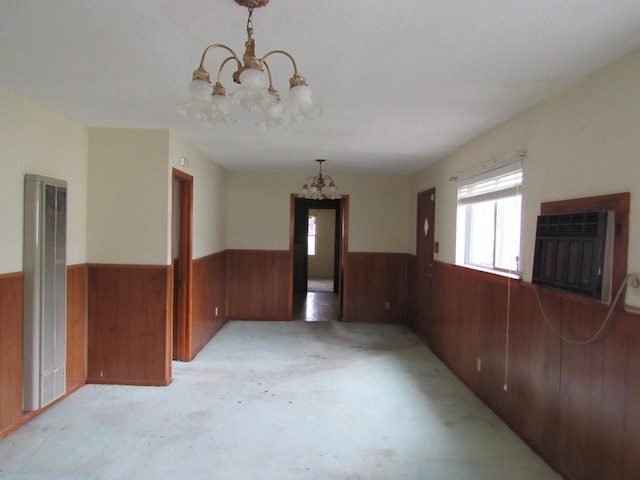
(374, 279)
(411, 319)
(209, 293)
(76, 327)
(577, 405)
(258, 285)
(10, 350)
(11, 321)
(129, 331)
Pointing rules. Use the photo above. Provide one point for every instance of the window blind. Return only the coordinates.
(499, 183)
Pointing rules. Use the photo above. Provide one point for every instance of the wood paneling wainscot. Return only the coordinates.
(412, 318)
(259, 285)
(11, 288)
(76, 327)
(577, 405)
(209, 294)
(11, 321)
(129, 331)
(377, 287)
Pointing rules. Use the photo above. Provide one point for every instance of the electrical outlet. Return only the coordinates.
(632, 297)
(387, 305)
(478, 365)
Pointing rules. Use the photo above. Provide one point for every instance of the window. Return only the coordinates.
(489, 211)
(311, 235)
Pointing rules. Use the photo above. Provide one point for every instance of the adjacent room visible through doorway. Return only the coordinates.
(318, 243)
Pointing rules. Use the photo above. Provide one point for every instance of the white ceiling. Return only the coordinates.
(401, 82)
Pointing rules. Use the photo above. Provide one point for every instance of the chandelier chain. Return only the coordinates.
(250, 22)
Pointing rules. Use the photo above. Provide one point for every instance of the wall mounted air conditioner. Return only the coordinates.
(574, 252)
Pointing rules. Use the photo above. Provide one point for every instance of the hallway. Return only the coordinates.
(272, 400)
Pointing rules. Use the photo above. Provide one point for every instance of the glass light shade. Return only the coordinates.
(300, 105)
(199, 103)
(196, 108)
(252, 93)
(333, 192)
(273, 117)
(218, 114)
(315, 192)
(200, 90)
(304, 193)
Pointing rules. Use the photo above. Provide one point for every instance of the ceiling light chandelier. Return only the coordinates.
(313, 186)
(210, 103)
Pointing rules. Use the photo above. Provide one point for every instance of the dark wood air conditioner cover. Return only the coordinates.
(571, 252)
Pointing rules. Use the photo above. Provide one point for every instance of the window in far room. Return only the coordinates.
(488, 219)
(311, 235)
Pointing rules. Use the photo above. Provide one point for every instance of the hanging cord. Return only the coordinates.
(506, 348)
(604, 323)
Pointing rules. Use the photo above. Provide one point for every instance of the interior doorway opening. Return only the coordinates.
(319, 246)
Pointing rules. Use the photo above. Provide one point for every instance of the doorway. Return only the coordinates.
(424, 252)
(318, 246)
(181, 242)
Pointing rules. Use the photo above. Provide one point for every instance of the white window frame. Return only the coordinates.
(496, 190)
(312, 244)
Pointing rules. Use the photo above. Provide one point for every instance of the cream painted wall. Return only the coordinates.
(209, 196)
(378, 212)
(321, 264)
(128, 196)
(35, 140)
(584, 141)
(259, 210)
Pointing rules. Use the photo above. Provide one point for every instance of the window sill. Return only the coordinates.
(514, 276)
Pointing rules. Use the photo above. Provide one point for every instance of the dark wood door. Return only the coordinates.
(424, 254)
(301, 210)
(181, 245)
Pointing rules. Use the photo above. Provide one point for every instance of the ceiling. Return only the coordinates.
(401, 82)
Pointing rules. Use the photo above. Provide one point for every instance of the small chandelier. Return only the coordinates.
(256, 93)
(313, 186)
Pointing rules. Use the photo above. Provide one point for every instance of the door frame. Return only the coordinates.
(342, 244)
(183, 271)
